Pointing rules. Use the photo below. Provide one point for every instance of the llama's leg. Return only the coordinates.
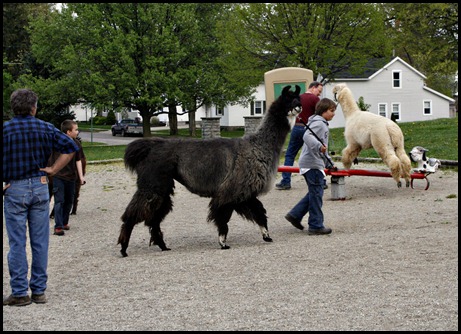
(125, 235)
(158, 214)
(405, 165)
(391, 160)
(349, 154)
(220, 215)
(139, 209)
(254, 210)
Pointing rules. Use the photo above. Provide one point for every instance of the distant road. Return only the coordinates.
(106, 137)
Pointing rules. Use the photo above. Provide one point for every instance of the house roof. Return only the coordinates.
(439, 94)
(372, 68)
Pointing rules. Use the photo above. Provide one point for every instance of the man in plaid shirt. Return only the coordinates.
(27, 144)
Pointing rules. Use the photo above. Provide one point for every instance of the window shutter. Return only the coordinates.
(264, 106)
(252, 112)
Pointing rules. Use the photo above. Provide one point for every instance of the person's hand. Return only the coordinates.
(49, 170)
(6, 186)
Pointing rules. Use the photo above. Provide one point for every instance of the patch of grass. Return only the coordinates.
(439, 136)
(97, 151)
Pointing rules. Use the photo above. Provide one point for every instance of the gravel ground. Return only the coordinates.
(391, 263)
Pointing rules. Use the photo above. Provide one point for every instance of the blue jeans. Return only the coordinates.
(294, 145)
(63, 192)
(27, 205)
(313, 201)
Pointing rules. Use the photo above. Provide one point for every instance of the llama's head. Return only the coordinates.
(291, 100)
(337, 90)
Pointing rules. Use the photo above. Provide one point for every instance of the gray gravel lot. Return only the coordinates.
(391, 263)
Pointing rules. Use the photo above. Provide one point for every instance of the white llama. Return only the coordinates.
(364, 130)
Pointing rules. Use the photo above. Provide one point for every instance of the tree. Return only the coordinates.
(426, 36)
(16, 41)
(362, 105)
(137, 56)
(325, 38)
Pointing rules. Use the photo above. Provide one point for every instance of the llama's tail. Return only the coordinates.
(137, 151)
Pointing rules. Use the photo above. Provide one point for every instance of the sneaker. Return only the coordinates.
(17, 301)
(58, 231)
(281, 186)
(319, 231)
(66, 227)
(39, 299)
(296, 223)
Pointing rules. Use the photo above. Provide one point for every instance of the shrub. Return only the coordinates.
(110, 118)
(100, 120)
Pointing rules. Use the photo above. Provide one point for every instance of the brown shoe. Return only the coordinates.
(39, 299)
(58, 231)
(17, 301)
(66, 227)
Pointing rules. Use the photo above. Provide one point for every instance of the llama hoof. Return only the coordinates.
(407, 184)
(399, 184)
(124, 253)
(267, 239)
(225, 247)
(166, 249)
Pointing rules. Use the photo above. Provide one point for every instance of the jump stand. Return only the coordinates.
(338, 182)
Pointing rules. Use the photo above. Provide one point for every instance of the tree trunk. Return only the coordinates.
(146, 115)
(192, 125)
(173, 119)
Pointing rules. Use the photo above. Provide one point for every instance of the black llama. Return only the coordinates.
(233, 172)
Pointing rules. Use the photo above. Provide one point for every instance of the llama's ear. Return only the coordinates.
(286, 89)
(298, 90)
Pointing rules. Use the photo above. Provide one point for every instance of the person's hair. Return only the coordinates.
(22, 101)
(67, 125)
(323, 105)
(315, 84)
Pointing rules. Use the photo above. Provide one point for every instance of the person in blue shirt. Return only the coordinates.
(27, 144)
(313, 160)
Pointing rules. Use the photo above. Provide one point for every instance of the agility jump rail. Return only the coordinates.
(339, 174)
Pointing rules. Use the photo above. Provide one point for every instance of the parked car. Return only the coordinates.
(126, 127)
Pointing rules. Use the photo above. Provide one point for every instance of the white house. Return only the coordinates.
(397, 90)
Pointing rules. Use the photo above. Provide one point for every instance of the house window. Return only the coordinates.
(427, 107)
(395, 116)
(396, 79)
(382, 109)
(219, 111)
(258, 107)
